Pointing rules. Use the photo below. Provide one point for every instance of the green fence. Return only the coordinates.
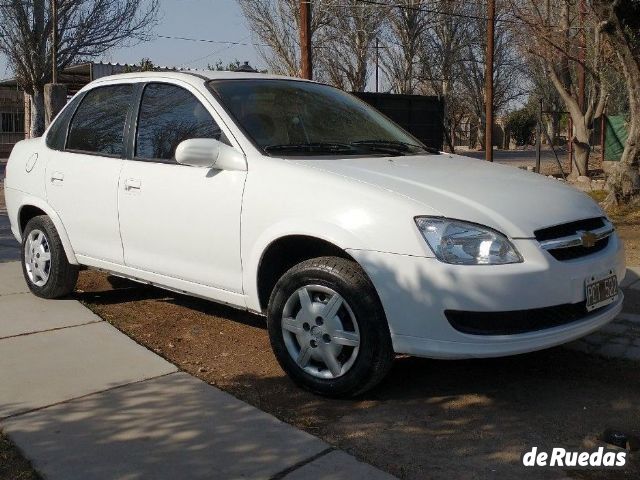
(615, 137)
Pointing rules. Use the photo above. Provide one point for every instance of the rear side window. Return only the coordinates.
(98, 124)
(168, 115)
(57, 135)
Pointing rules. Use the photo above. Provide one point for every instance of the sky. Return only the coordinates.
(217, 20)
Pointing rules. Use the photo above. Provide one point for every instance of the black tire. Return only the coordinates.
(62, 276)
(375, 351)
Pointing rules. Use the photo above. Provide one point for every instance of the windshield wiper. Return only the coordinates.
(393, 145)
(316, 147)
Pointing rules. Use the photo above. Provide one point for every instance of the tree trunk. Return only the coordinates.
(37, 112)
(481, 135)
(581, 148)
(553, 127)
(447, 123)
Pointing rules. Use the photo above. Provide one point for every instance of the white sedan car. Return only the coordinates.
(296, 200)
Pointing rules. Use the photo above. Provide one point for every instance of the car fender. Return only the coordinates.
(326, 231)
(30, 200)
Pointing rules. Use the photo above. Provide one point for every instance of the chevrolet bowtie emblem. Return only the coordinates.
(589, 239)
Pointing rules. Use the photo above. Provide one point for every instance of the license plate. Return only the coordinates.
(601, 291)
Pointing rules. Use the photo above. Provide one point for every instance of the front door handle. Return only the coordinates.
(57, 177)
(132, 184)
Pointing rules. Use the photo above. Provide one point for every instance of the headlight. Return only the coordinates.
(463, 243)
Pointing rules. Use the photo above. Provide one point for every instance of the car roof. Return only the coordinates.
(191, 75)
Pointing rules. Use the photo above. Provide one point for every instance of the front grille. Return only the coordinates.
(517, 321)
(566, 229)
(572, 229)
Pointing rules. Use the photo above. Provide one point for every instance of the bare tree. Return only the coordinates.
(406, 23)
(351, 33)
(620, 23)
(86, 29)
(276, 24)
(442, 61)
(566, 39)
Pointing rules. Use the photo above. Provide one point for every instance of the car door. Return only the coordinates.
(175, 220)
(82, 178)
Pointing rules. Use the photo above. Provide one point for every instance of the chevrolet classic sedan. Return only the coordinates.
(297, 201)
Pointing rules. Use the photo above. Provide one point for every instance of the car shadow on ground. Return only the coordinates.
(118, 290)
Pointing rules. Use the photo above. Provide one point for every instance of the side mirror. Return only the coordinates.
(209, 153)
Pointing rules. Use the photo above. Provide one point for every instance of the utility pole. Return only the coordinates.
(377, 62)
(488, 79)
(54, 41)
(305, 39)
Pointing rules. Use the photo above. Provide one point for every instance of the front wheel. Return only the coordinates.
(327, 328)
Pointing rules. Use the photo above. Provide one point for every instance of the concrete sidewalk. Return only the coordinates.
(82, 400)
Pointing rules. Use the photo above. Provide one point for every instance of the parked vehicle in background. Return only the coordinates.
(295, 200)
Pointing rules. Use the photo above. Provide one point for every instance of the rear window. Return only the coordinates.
(98, 124)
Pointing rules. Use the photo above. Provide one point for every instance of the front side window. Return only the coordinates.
(289, 117)
(98, 124)
(168, 115)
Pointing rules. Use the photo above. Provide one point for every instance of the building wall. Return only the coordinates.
(12, 119)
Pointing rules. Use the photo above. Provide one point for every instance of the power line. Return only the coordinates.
(421, 9)
(428, 10)
(205, 40)
(228, 42)
(211, 54)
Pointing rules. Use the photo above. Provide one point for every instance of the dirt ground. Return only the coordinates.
(627, 223)
(13, 466)
(428, 419)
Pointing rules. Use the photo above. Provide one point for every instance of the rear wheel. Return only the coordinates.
(44, 263)
(328, 329)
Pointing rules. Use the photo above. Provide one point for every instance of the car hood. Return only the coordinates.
(505, 198)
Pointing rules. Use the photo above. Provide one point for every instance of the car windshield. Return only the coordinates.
(291, 118)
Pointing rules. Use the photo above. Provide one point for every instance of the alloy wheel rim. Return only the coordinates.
(320, 331)
(37, 258)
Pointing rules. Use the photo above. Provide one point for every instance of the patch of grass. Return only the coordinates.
(624, 215)
(627, 215)
(598, 195)
(13, 466)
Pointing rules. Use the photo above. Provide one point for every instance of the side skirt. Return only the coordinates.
(184, 287)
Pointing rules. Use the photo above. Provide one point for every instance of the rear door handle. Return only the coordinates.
(57, 177)
(132, 184)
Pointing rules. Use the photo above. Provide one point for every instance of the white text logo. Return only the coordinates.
(560, 457)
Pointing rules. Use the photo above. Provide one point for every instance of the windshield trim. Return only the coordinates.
(211, 87)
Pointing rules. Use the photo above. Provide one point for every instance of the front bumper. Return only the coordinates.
(416, 291)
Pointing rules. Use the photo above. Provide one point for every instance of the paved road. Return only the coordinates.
(82, 400)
